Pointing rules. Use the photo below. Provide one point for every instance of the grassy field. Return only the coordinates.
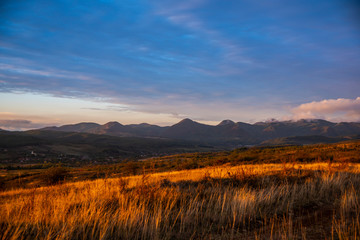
(284, 200)
(26, 175)
(264, 201)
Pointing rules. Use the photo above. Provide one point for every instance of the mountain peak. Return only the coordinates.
(226, 122)
(112, 125)
(78, 127)
(186, 121)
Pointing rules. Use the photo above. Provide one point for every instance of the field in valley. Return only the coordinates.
(232, 199)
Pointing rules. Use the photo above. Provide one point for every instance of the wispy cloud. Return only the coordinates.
(231, 55)
(18, 122)
(19, 125)
(50, 73)
(118, 108)
(340, 109)
(167, 7)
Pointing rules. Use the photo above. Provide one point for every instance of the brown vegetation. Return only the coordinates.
(13, 176)
(264, 201)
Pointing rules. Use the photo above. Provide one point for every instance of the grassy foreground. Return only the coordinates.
(259, 201)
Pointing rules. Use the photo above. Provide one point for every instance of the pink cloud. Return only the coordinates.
(19, 124)
(340, 109)
(15, 122)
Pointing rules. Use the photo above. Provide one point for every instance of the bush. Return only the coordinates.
(2, 183)
(131, 168)
(55, 175)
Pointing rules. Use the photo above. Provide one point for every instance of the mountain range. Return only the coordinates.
(226, 131)
(89, 142)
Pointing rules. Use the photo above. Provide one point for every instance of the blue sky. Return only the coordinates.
(161, 61)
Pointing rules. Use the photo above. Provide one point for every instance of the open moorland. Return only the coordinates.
(291, 192)
(177, 120)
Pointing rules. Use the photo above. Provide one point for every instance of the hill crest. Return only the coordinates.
(226, 131)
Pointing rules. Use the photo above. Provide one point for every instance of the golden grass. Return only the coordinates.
(264, 201)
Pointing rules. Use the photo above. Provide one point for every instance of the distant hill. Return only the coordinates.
(37, 146)
(226, 131)
(18, 139)
(114, 141)
(79, 127)
(306, 140)
(113, 129)
(189, 129)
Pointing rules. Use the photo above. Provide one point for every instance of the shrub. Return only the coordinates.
(2, 183)
(55, 175)
(131, 168)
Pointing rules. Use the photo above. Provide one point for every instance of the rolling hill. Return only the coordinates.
(113, 141)
(38, 146)
(225, 132)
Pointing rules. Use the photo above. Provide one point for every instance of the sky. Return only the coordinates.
(160, 61)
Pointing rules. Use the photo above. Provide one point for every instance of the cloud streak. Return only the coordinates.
(340, 109)
(21, 122)
(19, 125)
(231, 57)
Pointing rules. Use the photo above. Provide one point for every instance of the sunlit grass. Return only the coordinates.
(266, 201)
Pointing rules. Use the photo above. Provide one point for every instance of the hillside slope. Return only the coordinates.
(226, 132)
